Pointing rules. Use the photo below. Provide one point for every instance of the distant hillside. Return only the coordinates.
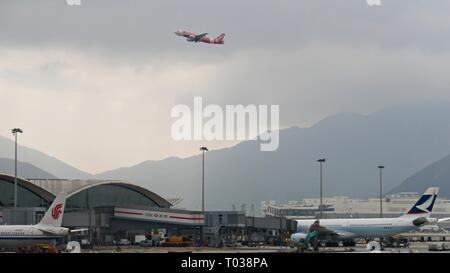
(436, 174)
(24, 170)
(405, 139)
(40, 160)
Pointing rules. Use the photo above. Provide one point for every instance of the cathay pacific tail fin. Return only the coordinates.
(424, 206)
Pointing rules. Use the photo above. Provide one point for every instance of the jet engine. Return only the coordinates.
(420, 221)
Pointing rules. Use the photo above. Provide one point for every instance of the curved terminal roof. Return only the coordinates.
(44, 194)
(49, 188)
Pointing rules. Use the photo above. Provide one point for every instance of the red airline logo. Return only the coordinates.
(56, 211)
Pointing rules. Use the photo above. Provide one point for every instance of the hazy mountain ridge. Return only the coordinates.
(404, 139)
(436, 174)
(24, 169)
(40, 160)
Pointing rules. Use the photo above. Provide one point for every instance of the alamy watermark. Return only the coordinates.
(374, 2)
(73, 2)
(235, 122)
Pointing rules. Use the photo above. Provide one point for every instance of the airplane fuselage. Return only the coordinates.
(362, 227)
(12, 236)
(192, 37)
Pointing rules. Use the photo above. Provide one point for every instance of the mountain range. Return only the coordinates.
(27, 170)
(437, 174)
(40, 160)
(404, 139)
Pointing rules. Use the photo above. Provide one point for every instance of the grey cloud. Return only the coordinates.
(313, 57)
(320, 80)
(146, 27)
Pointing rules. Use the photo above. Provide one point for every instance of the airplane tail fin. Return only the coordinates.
(424, 206)
(53, 216)
(219, 39)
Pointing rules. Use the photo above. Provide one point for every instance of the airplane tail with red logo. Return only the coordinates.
(219, 39)
(53, 216)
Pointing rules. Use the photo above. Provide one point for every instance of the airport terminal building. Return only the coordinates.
(113, 210)
(110, 209)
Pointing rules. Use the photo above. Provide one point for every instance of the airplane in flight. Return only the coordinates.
(46, 231)
(192, 37)
(347, 230)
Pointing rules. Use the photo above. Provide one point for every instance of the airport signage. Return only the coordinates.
(161, 216)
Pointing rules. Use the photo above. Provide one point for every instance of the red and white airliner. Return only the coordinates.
(192, 37)
(46, 231)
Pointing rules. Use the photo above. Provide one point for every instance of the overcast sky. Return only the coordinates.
(94, 85)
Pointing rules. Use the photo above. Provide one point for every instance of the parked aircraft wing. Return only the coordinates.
(324, 232)
(78, 230)
(48, 229)
(321, 230)
(441, 220)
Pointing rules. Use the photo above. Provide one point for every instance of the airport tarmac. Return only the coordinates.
(416, 247)
(138, 249)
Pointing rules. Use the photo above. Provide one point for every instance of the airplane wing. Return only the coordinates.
(327, 233)
(198, 37)
(443, 220)
(344, 234)
(48, 230)
(323, 232)
(52, 231)
(78, 230)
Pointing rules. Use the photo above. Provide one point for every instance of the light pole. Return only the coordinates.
(253, 218)
(321, 161)
(203, 149)
(381, 190)
(281, 227)
(15, 131)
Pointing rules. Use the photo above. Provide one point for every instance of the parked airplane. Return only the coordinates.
(192, 37)
(46, 231)
(346, 230)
